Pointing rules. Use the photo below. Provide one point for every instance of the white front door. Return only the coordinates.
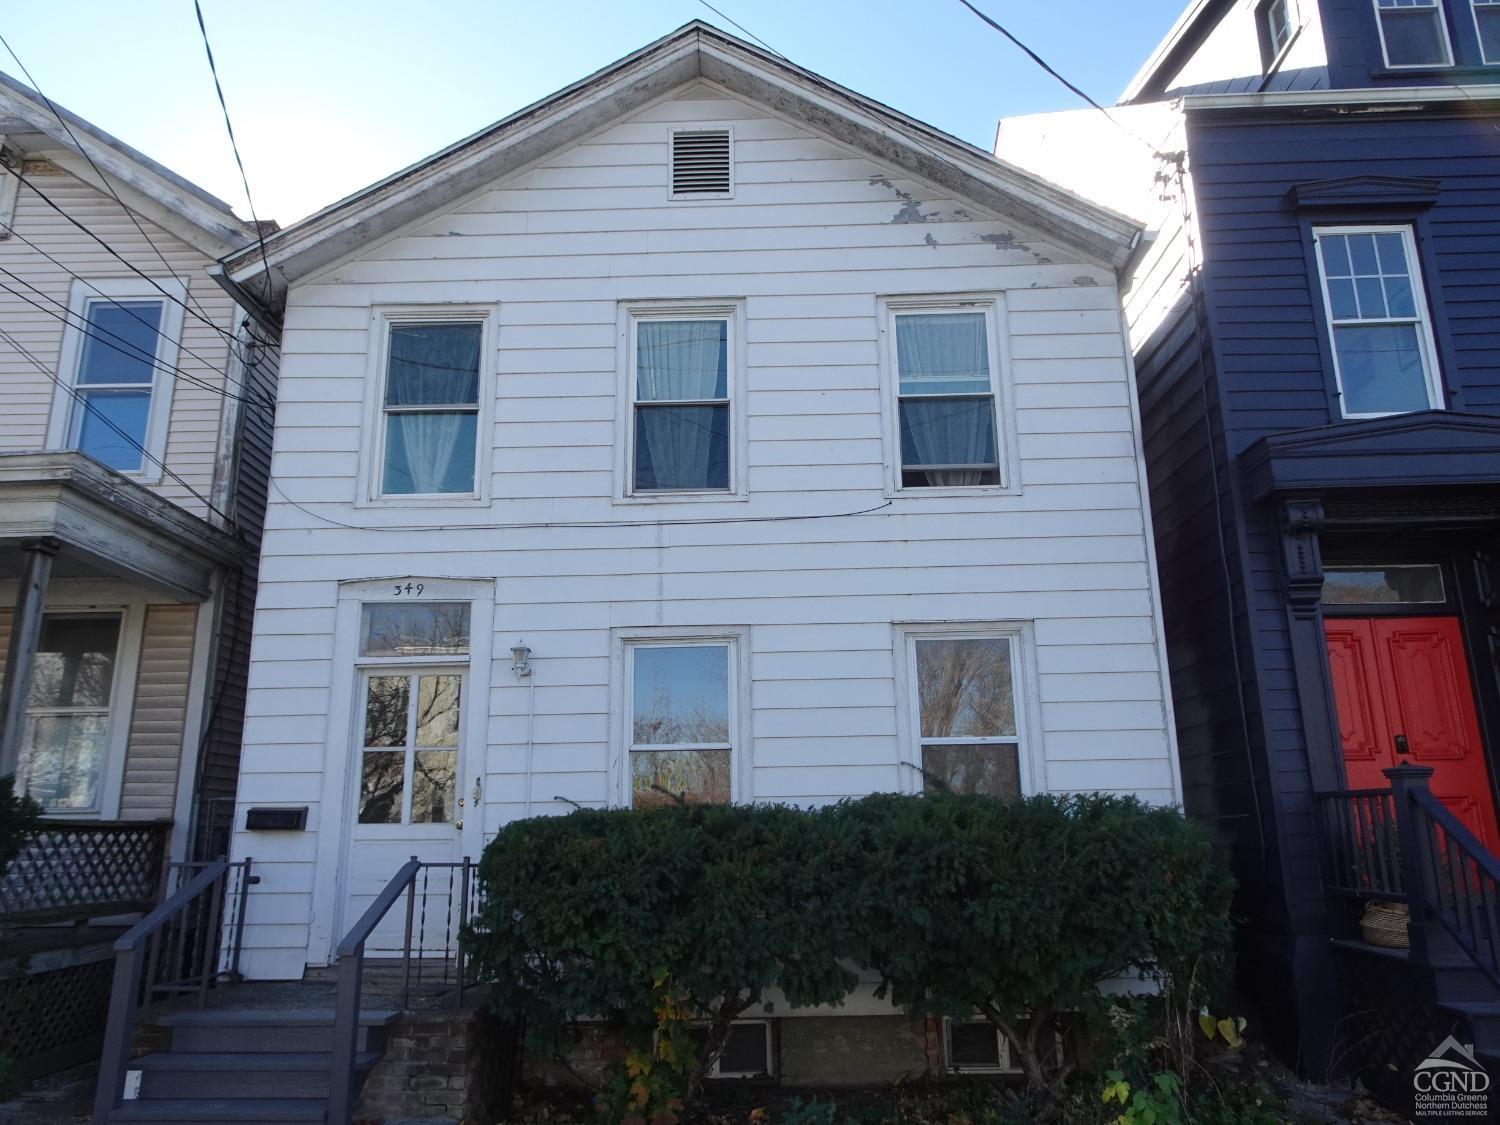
(409, 763)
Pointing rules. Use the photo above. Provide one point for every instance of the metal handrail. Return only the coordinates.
(1460, 882)
(173, 950)
(351, 967)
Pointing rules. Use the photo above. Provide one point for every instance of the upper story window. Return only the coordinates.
(429, 405)
(1384, 355)
(946, 390)
(1275, 28)
(681, 431)
(681, 704)
(1487, 27)
(1413, 33)
(118, 354)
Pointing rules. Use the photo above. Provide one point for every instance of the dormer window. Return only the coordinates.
(702, 164)
(1413, 33)
(1487, 24)
(1275, 30)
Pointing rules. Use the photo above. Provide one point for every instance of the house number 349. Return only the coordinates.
(411, 589)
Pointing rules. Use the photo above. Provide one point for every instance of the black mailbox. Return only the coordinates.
(276, 820)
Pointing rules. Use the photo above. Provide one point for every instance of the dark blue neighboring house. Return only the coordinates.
(1316, 329)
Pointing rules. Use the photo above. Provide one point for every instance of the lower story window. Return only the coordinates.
(976, 1046)
(967, 734)
(66, 740)
(681, 715)
(409, 763)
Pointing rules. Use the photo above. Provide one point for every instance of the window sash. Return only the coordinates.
(1425, 346)
(97, 343)
(917, 389)
(430, 472)
(1407, 12)
(410, 748)
(1486, 15)
(731, 709)
(643, 404)
(1278, 23)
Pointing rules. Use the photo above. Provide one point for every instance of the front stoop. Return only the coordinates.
(243, 1066)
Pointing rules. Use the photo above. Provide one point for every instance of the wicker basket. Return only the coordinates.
(1384, 923)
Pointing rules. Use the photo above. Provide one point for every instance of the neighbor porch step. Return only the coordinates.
(247, 1075)
(220, 1111)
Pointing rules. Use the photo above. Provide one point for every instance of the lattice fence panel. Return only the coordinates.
(69, 870)
(53, 1019)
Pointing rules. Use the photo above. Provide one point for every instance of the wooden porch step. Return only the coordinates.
(244, 1075)
(228, 1111)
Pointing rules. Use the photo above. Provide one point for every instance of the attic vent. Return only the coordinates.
(701, 163)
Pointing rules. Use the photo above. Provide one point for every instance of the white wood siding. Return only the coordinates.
(813, 237)
(193, 434)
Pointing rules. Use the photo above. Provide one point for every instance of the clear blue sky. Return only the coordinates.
(328, 95)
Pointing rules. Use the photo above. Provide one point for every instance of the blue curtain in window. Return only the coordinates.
(432, 450)
(947, 404)
(681, 447)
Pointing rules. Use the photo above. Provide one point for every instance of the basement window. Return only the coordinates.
(746, 1053)
(976, 1046)
(702, 164)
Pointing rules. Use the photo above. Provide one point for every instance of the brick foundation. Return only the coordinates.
(437, 1065)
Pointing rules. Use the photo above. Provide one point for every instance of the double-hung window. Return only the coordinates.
(1275, 28)
(946, 396)
(1384, 354)
(66, 742)
(965, 694)
(1487, 27)
(119, 352)
(1413, 33)
(681, 707)
(430, 408)
(411, 723)
(680, 379)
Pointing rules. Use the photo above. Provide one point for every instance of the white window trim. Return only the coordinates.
(700, 196)
(1442, 17)
(10, 191)
(1426, 341)
(84, 292)
(1006, 1063)
(1474, 6)
(1293, 30)
(622, 677)
(1024, 685)
(717, 1070)
(372, 448)
(132, 613)
(632, 313)
(993, 306)
(337, 812)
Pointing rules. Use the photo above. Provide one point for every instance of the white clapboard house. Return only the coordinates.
(705, 427)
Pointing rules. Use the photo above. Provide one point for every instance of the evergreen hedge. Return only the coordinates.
(962, 903)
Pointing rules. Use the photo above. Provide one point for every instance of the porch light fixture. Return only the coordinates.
(520, 661)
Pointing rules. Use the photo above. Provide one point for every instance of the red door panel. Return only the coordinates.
(1408, 676)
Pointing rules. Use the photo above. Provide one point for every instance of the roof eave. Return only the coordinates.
(1095, 232)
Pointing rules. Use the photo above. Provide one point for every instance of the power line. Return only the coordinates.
(260, 233)
(1046, 66)
(742, 27)
(126, 262)
(85, 154)
(117, 342)
(21, 350)
(264, 400)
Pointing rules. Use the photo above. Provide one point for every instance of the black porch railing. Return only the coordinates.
(76, 870)
(426, 964)
(1404, 845)
(180, 949)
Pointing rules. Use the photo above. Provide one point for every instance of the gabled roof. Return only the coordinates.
(694, 51)
(29, 125)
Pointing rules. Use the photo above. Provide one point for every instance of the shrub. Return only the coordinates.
(962, 903)
(18, 817)
(587, 913)
(1022, 909)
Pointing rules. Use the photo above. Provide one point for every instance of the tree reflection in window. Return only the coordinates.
(410, 749)
(967, 715)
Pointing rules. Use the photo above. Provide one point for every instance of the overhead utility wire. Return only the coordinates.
(84, 152)
(21, 350)
(263, 399)
(1050, 69)
(742, 27)
(119, 343)
(260, 233)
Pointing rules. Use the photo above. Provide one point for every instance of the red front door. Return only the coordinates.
(1407, 676)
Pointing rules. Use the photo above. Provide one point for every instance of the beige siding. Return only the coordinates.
(193, 433)
(160, 714)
